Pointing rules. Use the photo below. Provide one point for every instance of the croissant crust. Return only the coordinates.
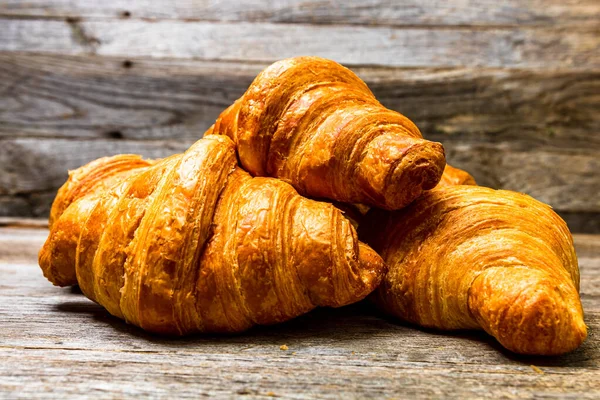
(192, 243)
(468, 257)
(316, 125)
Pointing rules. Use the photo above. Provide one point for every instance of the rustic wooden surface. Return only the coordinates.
(564, 13)
(397, 47)
(54, 343)
(510, 88)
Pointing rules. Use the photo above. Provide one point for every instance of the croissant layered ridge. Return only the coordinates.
(192, 243)
(468, 257)
(455, 176)
(315, 124)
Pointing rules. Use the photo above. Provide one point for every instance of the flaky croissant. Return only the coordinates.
(315, 124)
(192, 243)
(455, 176)
(451, 176)
(468, 257)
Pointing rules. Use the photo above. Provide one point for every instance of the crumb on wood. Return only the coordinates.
(536, 369)
(293, 353)
(283, 347)
(353, 353)
(271, 394)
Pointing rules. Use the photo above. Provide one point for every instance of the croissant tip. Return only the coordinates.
(372, 267)
(548, 338)
(420, 170)
(534, 317)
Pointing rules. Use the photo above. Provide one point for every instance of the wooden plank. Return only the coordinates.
(341, 369)
(31, 204)
(84, 96)
(313, 372)
(20, 245)
(566, 180)
(551, 112)
(572, 13)
(16, 206)
(352, 45)
(60, 96)
(529, 109)
(589, 245)
(19, 222)
(56, 343)
(33, 169)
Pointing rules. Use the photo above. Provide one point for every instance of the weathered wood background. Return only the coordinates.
(56, 344)
(511, 88)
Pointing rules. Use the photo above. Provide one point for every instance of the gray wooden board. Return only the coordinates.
(54, 343)
(530, 131)
(510, 88)
(144, 98)
(482, 13)
(34, 168)
(543, 47)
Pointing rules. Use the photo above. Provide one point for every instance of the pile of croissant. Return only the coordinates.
(246, 227)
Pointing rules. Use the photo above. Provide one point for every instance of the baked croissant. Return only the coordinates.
(451, 176)
(191, 243)
(315, 124)
(468, 257)
(455, 176)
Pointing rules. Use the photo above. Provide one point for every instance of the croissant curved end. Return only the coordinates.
(455, 176)
(396, 170)
(372, 267)
(532, 314)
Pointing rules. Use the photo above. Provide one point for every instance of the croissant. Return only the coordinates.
(192, 243)
(468, 257)
(455, 176)
(451, 176)
(315, 124)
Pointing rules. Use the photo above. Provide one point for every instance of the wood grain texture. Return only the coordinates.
(521, 130)
(566, 181)
(33, 169)
(351, 45)
(141, 98)
(56, 343)
(12, 222)
(92, 97)
(476, 74)
(529, 109)
(484, 13)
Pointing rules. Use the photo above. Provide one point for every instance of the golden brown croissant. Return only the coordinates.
(316, 125)
(192, 243)
(466, 257)
(455, 176)
(451, 176)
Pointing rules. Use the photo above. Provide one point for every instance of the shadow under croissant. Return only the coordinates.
(350, 323)
(577, 358)
(357, 323)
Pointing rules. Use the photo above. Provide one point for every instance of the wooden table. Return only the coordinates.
(55, 343)
(509, 87)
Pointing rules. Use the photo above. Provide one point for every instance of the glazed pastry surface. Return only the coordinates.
(468, 257)
(192, 243)
(315, 124)
(455, 176)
